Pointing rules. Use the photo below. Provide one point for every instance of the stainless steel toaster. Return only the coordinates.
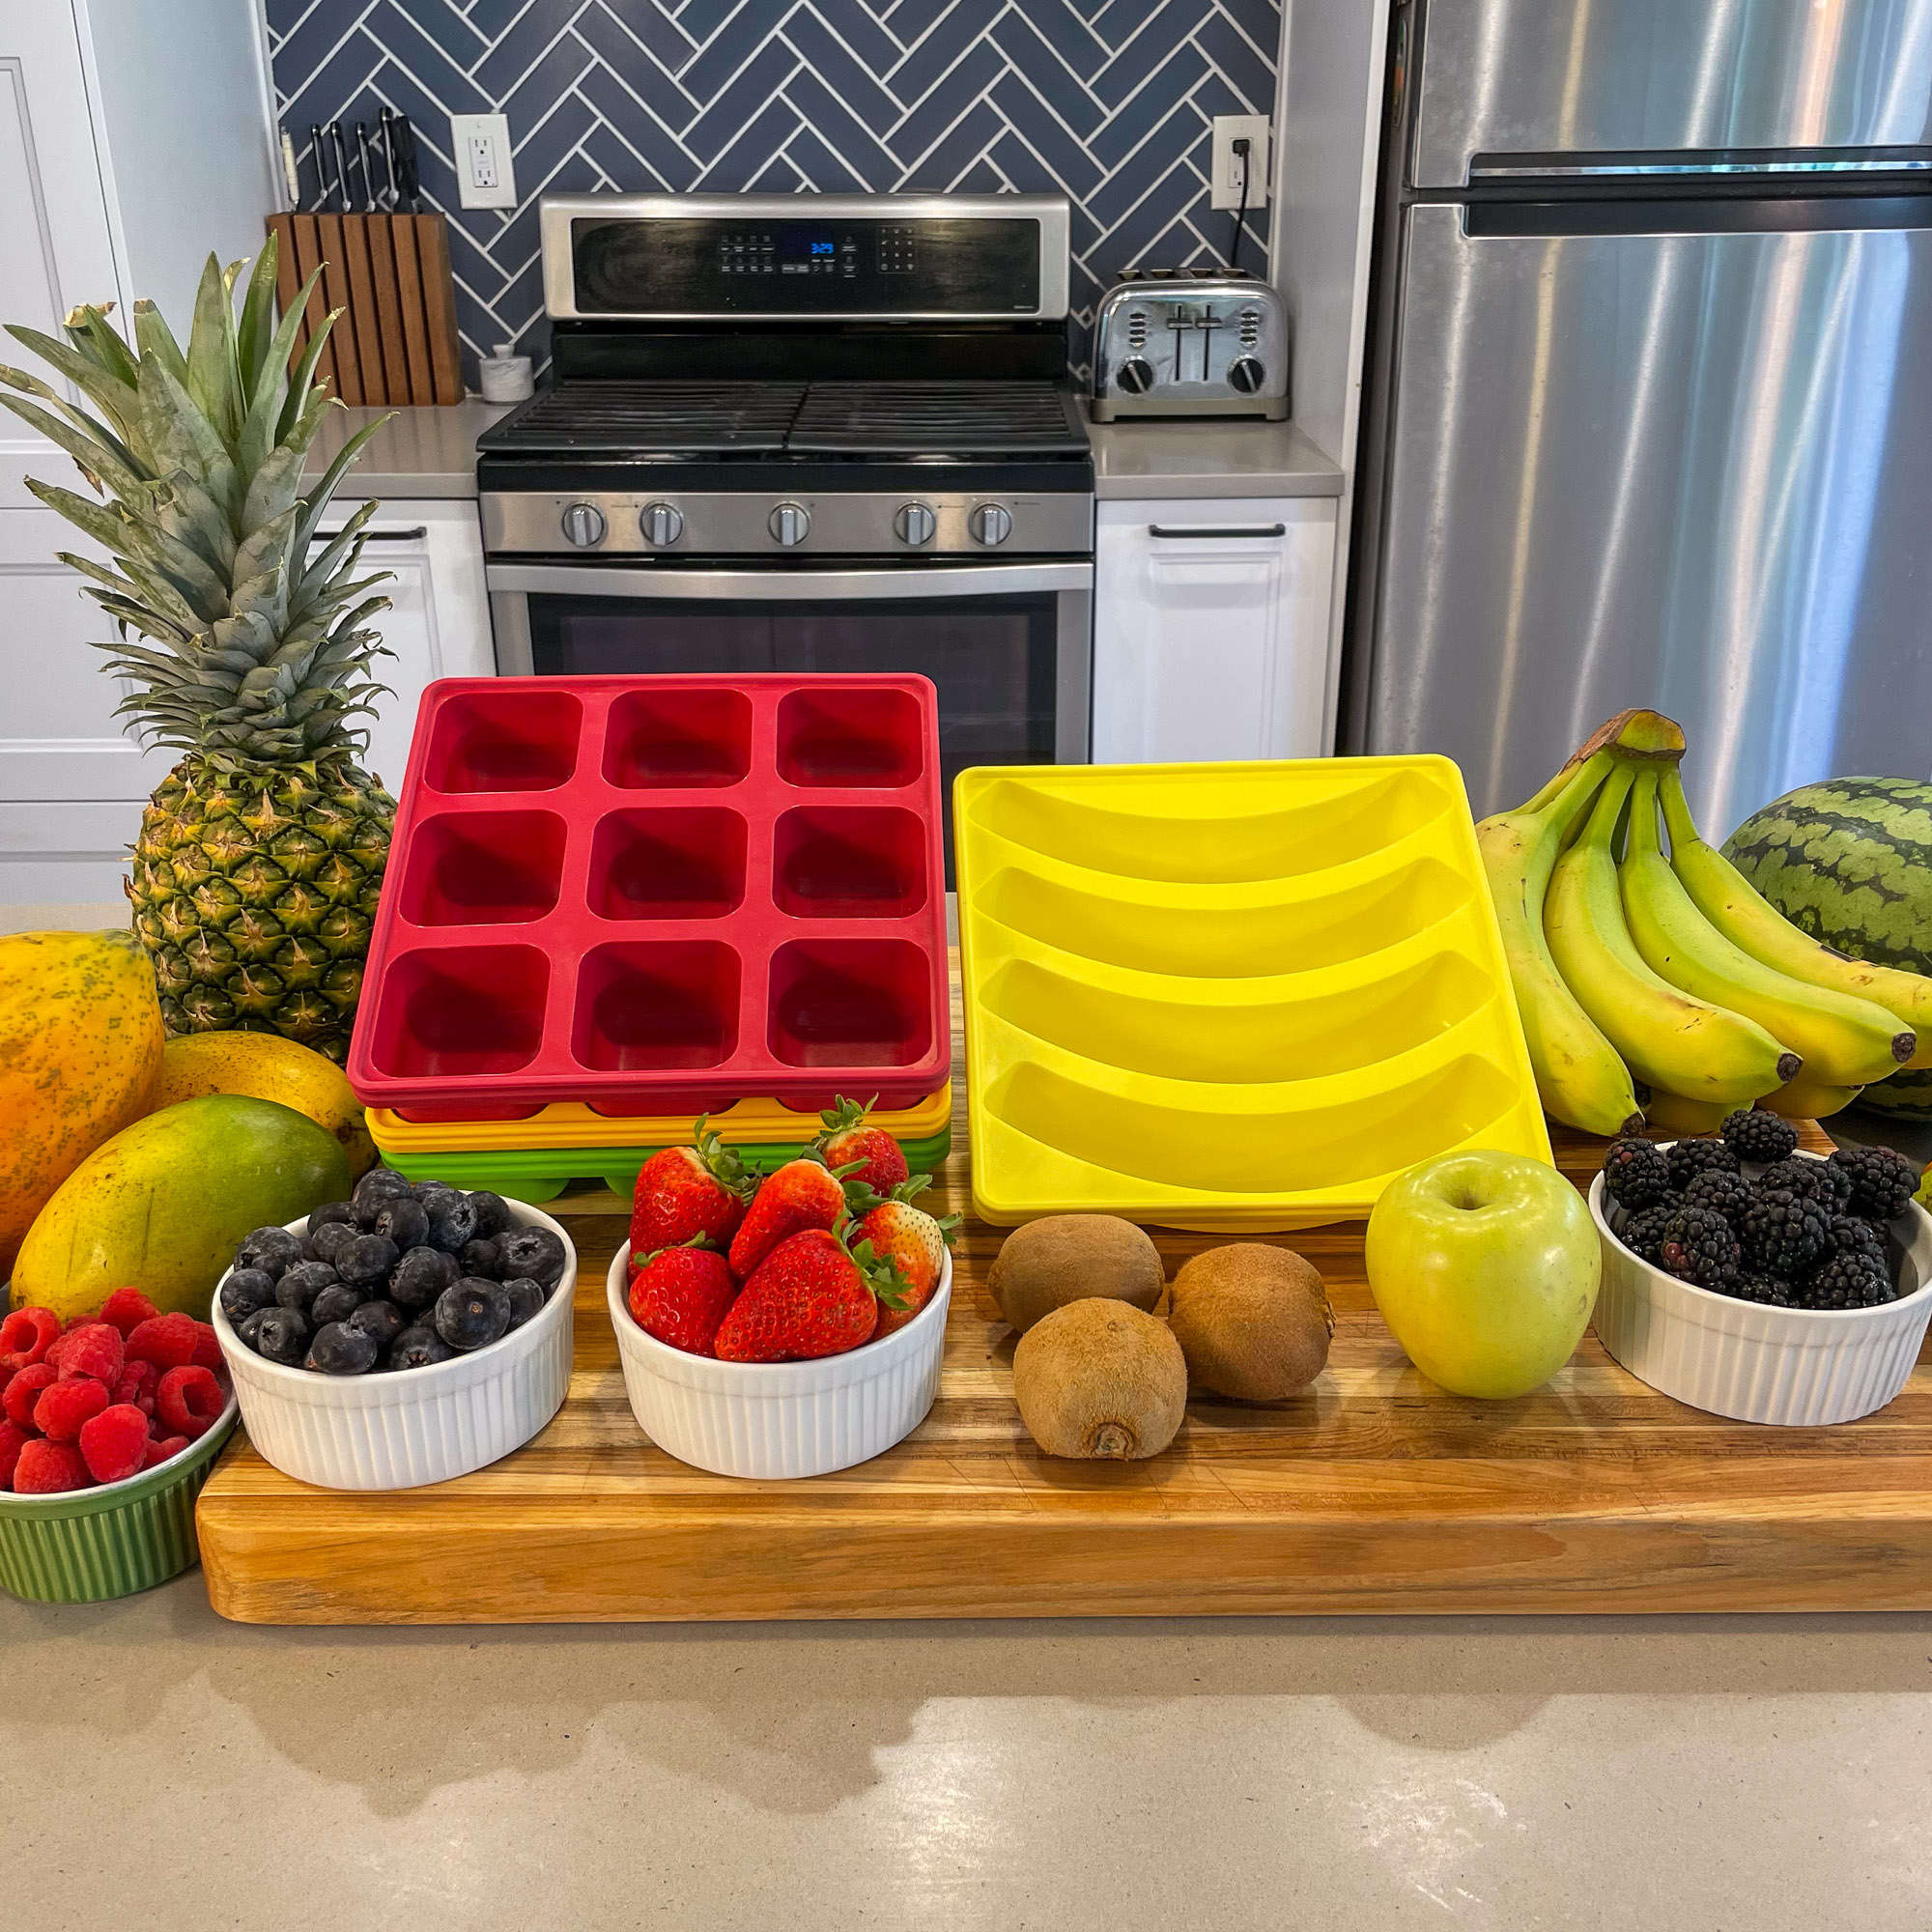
(1190, 341)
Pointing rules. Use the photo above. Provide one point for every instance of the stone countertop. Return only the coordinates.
(418, 452)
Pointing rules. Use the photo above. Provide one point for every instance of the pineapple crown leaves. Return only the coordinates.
(258, 641)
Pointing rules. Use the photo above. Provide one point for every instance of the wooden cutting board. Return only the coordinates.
(1373, 1492)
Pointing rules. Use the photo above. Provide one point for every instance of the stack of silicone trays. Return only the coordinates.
(1235, 997)
(644, 899)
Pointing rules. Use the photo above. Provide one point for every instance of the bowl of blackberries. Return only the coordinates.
(407, 1335)
(1749, 1277)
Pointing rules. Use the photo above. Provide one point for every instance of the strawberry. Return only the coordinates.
(683, 1192)
(811, 1297)
(869, 1156)
(801, 1194)
(915, 1243)
(680, 1294)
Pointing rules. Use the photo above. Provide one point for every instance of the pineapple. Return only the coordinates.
(260, 858)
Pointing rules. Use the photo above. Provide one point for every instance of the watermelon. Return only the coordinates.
(1850, 861)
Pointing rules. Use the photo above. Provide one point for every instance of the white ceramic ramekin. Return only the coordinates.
(398, 1431)
(780, 1419)
(1794, 1366)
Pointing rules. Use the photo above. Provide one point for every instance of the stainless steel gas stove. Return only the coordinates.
(806, 434)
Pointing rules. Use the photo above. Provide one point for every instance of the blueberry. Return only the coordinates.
(334, 1304)
(533, 1252)
(527, 1298)
(339, 1349)
(282, 1335)
(330, 1239)
(269, 1249)
(472, 1314)
(334, 1214)
(405, 1222)
(245, 1290)
(366, 1261)
(420, 1277)
(300, 1286)
(493, 1214)
(383, 1320)
(378, 1185)
(426, 1191)
(452, 1223)
(419, 1347)
(249, 1330)
(480, 1256)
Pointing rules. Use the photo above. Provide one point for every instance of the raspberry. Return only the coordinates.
(12, 1440)
(126, 1309)
(95, 1350)
(46, 1468)
(188, 1401)
(207, 1346)
(24, 1391)
(64, 1407)
(168, 1340)
(160, 1452)
(26, 1335)
(137, 1385)
(114, 1444)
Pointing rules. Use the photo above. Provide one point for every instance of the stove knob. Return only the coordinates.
(991, 524)
(661, 523)
(1246, 375)
(916, 524)
(788, 524)
(584, 525)
(1135, 377)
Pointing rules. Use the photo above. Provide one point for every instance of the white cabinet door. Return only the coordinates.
(1210, 630)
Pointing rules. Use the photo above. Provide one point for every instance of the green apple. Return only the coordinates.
(1484, 1267)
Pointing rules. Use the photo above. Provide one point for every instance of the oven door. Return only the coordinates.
(1009, 646)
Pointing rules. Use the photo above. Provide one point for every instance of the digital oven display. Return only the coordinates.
(806, 244)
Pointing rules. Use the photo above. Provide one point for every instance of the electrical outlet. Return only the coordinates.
(486, 175)
(1226, 176)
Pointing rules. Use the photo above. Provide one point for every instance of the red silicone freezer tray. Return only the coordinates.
(662, 895)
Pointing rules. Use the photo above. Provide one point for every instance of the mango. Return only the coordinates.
(270, 1068)
(80, 1054)
(165, 1204)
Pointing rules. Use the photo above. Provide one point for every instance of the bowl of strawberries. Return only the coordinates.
(787, 1324)
(109, 1429)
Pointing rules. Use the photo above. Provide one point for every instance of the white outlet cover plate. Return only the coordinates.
(1225, 179)
(493, 131)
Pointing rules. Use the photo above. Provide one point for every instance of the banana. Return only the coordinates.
(1751, 921)
(1579, 1076)
(1685, 1046)
(1672, 1114)
(1844, 1041)
(1808, 1099)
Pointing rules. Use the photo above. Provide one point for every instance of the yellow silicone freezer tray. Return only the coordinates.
(1235, 997)
(570, 1123)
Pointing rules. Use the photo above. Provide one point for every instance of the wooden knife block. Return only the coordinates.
(395, 339)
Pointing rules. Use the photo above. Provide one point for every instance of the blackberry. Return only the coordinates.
(1882, 1182)
(1730, 1194)
(1757, 1136)
(1699, 1247)
(1766, 1290)
(1816, 1180)
(1845, 1281)
(1636, 1174)
(1851, 1234)
(1782, 1233)
(1688, 1158)
(1643, 1232)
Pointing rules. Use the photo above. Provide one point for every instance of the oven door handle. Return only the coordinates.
(785, 586)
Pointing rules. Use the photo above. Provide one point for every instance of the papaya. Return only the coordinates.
(164, 1205)
(80, 1056)
(270, 1068)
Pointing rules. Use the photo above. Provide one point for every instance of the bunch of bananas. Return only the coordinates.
(1668, 987)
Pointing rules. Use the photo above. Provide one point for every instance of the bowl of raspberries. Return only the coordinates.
(404, 1336)
(1749, 1277)
(108, 1429)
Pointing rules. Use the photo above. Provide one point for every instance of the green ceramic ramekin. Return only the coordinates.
(86, 1545)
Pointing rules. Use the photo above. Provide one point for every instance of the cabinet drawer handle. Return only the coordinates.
(1217, 529)
(415, 535)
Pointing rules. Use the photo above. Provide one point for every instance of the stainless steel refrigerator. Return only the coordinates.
(1649, 417)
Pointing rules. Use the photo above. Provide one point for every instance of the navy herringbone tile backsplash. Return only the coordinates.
(1107, 100)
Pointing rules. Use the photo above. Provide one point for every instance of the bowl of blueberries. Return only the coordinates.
(407, 1335)
(1751, 1278)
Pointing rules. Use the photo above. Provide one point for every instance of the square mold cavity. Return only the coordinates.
(462, 1010)
(849, 1002)
(509, 740)
(678, 738)
(483, 869)
(849, 862)
(646, 1006)
(845, 737)
(672, 862)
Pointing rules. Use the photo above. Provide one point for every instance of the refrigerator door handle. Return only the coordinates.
(1710, 214)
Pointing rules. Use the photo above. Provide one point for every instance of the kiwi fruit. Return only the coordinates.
(1067, 1258)
(1253, 1321)
(1100, 1379)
